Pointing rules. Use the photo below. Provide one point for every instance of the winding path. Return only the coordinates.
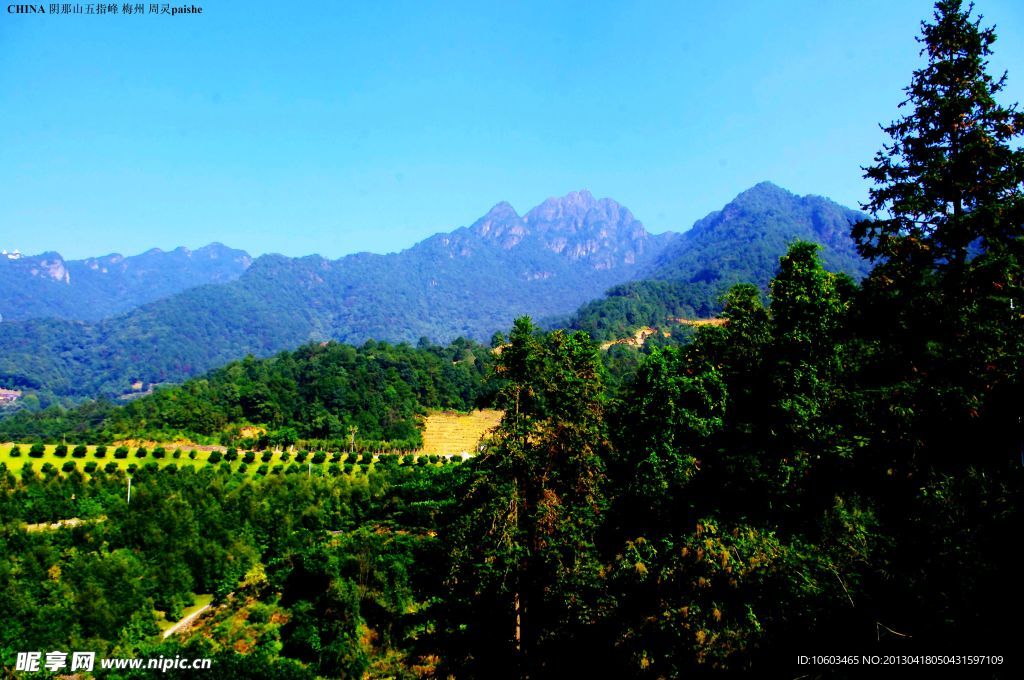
(180, 625)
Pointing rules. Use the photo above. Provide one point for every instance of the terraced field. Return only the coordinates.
(449, 433)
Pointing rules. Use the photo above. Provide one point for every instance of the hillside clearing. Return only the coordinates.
(450, 433)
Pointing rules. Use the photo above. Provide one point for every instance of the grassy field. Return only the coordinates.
(202, 458)
(200, 602)
(449, 433)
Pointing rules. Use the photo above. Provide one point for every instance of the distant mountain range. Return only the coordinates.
(47, 285)
(469, 282)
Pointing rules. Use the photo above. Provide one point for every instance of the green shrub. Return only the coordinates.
(262, 469)
(68, 466)
(61, 450)
(319, 457)
(141, 452)
(15, 451)
(267, 456)
(110, 467)
(100, 452)
(121, 452)
(79, 451)
(192, 454)
(159, 452)
(37, 450)
(177, 454)
(90, 467)
(215, 457)
(249, 457)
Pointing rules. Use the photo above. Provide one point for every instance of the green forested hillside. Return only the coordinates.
(643, 303)
(741, 243)
(318, 392)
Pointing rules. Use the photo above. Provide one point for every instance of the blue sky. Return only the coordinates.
(336, 127)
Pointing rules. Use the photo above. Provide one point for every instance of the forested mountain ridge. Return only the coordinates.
(469, 283)
(47, 285)
(741, 243)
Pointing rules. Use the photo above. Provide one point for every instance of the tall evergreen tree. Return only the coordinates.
(524, 554)
(951, 177)
(946, 293)
(941, 390)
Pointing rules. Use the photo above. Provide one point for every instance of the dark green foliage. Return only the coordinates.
(15, 451)
(79, 451)
(67, 466)
(37, 450)
(643, 303)
(121, 452)
(141, 452)
(159, 452)
(61, 450)
(317, 392)
(524, 549)
(100, 451)
(214, 457)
